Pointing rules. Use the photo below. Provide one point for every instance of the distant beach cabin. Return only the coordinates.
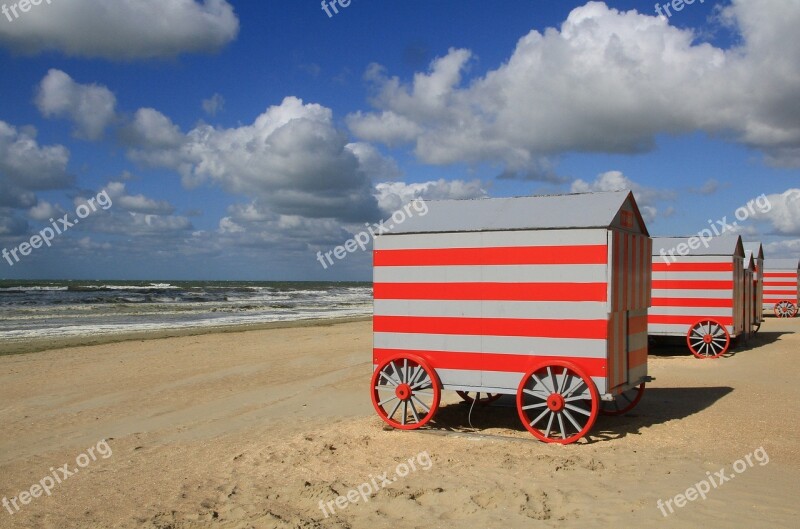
(698, 292)
(780, 287)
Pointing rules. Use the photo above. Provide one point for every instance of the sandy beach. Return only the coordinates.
(256, 429)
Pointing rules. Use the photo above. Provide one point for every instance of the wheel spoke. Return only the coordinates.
(550, 424)
(414, 409)
(532, 406)
(561, 424)
(540, 416)
(572, 420)
(389, 379)
(577, 409)
(390, 399)
(399, 402)
(422, 404)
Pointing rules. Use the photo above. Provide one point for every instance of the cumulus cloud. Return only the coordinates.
(646, 197)
(393, 195)
(27, 166)
(90, 107)
(44, 210)
(137, 203)
(213, 104)
(124, 29)
(293, 158)
(781, 212)
(605, 81)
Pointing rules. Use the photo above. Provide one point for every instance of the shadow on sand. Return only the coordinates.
(658, 406)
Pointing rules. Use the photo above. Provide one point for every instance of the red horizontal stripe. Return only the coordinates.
(781, 284)
(513, 255)
(579, 329)
(492, 291)
(660, 266)
(687, 320)
(692, 302)
(505, 363)
(692, 285)
(778, 293)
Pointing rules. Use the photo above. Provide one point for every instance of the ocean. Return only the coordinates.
(58, 309)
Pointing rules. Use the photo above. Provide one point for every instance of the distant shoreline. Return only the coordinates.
(46, 344)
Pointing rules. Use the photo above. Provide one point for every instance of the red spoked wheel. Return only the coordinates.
(405, 392)
(484, 399)
(708, 339)
(557, 402)
(623, 402)
(785, 309)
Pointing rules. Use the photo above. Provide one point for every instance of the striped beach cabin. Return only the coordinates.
(755, 251)
(781, 287)
(698, 292)
(542, 297)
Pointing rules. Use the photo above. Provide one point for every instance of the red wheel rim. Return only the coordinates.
(405, 392)
(785, 309)
(708, 339)
(557, 402)
(623, 402)
(484, 399)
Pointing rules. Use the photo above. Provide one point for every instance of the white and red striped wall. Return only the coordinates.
(483, 307)
(696, 287)
(780, 282)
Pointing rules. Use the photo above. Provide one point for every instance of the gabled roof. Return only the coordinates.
(754, 248)
(781, 264)
(722, 245)
(546, 212)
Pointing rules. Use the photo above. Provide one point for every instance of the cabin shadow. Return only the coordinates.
(658, 406)
(667, 346)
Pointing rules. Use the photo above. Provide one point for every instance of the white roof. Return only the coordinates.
(546, 212)
(781, 264)
(754, 248)
(722, 245)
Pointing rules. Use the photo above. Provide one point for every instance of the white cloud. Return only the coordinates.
(605, 81)
(90, 107)
(393, 195)
(780, 211)
(137, 203)
(27, 166)
(292, 157)
(646, 197)
(123, 29)
(44, 210)
(213, 104)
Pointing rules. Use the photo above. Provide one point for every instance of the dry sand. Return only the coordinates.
(253, 429)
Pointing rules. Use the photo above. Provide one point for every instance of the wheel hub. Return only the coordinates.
(555, 402)
(403, 392)
(708, 338)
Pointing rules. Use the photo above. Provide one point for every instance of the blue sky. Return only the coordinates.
(237, 139)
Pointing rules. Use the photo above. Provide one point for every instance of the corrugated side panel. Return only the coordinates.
(758, 304)
(483, 307)
(630, 297)
(780, 285)
(695, 287)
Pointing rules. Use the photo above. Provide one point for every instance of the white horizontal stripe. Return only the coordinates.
(492, 274)
(499, 379)
(716, 259)
(700, 312)
(459, 377)
(517, 345)
(671, 329)
(491, 239)
(694, 293)
(693, 276)
(492, 309)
